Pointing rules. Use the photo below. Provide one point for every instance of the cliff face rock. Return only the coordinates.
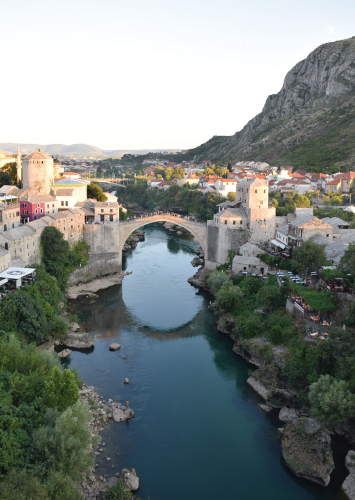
(317, 90)
(306, 448)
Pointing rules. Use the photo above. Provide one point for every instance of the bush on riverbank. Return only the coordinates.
(42, 448)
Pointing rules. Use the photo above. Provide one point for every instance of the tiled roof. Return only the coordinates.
(37, 155)
(232, 213)
(310, 222)
(36, 198)
(282, 229)
(65, 192)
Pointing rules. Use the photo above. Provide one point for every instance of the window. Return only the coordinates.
(52, 205)
(234, 223)
(41, 210)
(25, 204)
(6, 246)
(38, 205)
(102, 209)
(241, 222)
(111, 209)
(256, 190)
(17, 214)
(264, 191)
(62, 203)
(225, 222)
(36, 211)
(25, 211)
(48, 205)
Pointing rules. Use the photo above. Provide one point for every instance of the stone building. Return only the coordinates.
(248, 262)
(9, 216)
(23, 242)
(38, 173)
(5, 259)
(66, 198)
(100, 211)
(248, 218)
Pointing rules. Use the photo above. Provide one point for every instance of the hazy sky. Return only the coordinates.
(150, 73)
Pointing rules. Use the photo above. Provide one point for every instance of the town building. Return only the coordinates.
(33, 206)
(9, 216)
(99, 211)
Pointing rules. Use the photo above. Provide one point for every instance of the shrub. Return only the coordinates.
(118, 492)
(60, 487)
(217, 280)
(59, 326)
(332, 401)
(61, 390)
(18, 485)
(64, 443)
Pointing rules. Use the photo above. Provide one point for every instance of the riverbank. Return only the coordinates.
(258, 339)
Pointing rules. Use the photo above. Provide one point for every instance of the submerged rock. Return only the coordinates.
(306, 448)
(64, 354)
(126, 381)
(115, 347)
(78, 340)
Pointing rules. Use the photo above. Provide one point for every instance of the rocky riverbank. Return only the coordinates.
(93, 487)
(306, 444)
(133, 240)
(89, 290)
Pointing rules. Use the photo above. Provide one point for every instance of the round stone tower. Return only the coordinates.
(38, 173)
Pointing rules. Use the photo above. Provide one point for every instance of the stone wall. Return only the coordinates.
(102, 238)
(5, 259)
(221, 239)
(98, 266)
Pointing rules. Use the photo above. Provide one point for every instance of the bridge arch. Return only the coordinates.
(197, 229)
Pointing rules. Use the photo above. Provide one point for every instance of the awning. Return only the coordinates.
(292, 237)
(277, 243)
(2, 282)
(288, 246)
(14, 273)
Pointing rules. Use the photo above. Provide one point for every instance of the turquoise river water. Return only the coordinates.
(197, 433)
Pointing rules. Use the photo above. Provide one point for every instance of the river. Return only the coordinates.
(197, 433)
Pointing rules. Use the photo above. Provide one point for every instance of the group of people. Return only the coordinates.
(115, 405)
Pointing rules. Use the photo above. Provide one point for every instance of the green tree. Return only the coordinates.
(231, 196)
(64, 443)
(61, 390)
(216, 280)
(178, 173)
(168, 173)
(61, 487)
(269, 296)
(301, 201)
(18, 485)
(229, 296)
(21, 313)
(5, 179)
(96, 192)
(332, 401)
(347, 262)
(309, 255)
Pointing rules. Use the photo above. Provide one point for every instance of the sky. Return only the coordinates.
(138, 74)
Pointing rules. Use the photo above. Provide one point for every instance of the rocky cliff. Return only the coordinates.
(310, 122)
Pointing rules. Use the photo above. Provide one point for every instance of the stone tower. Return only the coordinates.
(18, 166)
(38, 173)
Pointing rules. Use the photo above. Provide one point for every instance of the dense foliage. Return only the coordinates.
(45, 443)
(183, 199)
(95, 192)
(58, 259)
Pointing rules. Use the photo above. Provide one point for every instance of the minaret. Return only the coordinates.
(18, 165)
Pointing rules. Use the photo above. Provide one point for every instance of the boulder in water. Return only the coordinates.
(115, 347)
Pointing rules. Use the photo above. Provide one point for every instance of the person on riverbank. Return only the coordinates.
(127, 403)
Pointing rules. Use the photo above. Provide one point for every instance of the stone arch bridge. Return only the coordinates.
(197, 229)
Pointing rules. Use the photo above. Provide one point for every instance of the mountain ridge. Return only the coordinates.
(297, 124)
(73, 149)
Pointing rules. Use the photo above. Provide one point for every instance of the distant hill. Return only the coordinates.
(77, 150)
(310, 123)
